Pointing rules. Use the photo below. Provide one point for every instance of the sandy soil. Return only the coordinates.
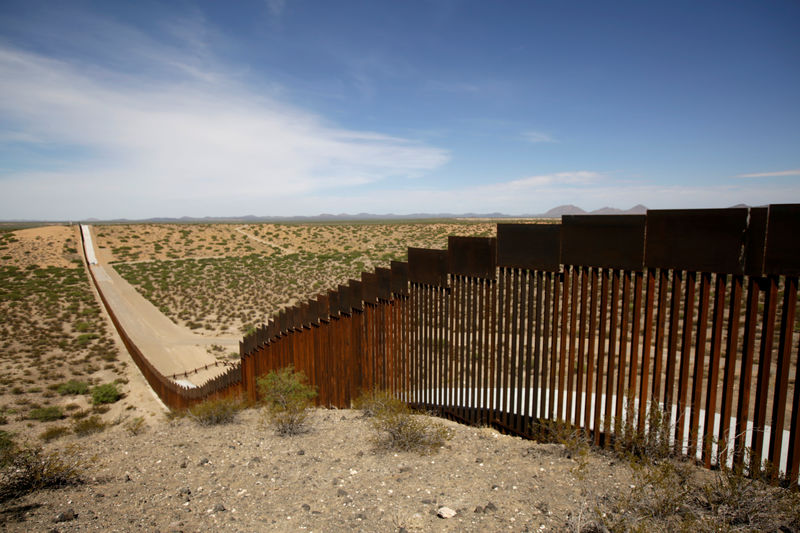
(242, 477)
(44, 246)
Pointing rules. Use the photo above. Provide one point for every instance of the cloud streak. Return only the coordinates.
(199, 134)
(795, 172)
(537, 137)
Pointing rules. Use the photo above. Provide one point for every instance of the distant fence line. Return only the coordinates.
(590, 322)
(174, 395)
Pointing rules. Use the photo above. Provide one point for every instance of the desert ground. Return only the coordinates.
(143, 469)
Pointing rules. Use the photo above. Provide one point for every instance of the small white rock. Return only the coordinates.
(445, 512)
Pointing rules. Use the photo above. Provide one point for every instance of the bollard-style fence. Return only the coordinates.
(174, 395)
(592, 322)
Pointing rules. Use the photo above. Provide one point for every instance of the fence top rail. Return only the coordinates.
(751, 241)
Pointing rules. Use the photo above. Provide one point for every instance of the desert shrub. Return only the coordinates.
(213, 412)
(575, 440)
(101, 409)
(107, 393)
(671, 495)
(46, 414)
(400, 429)
(377, 402)
(7, 446)
(54, 433)
(135, 426)
(88, 426)
(650, 446)
(287, 398)
(738, 502)
(73, 387)
(29, 468)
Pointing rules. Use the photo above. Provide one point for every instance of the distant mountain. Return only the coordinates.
(556, 212)
(569, 209)
(638, 209)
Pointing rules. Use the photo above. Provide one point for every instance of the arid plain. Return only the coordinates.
(143, 470)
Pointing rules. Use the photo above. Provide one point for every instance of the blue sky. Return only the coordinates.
(284, 107)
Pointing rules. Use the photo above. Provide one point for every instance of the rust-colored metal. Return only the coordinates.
(514, 346)
(672, 344)
(780, 390)
(621, 390)
(764, 367)
(611, 359)
(590, 395)
(579, 398)
(574, 274)
(428, 267)
(686, 353)
(713, 367)
(601, 353)
(781, 256)
(608, 241)
(530, 368)
(661, 318)
(529, 246)
(699, 362)
(474, 257)
(558, 283)
(636, 356)
(793, 459)
(679, 239)
(742, 408)
(562, 358)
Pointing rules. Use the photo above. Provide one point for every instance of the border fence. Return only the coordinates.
(173, 394)
(592, 322)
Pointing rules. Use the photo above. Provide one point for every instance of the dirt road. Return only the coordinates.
(172, 349)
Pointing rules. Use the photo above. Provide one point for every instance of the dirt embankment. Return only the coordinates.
(179, 476)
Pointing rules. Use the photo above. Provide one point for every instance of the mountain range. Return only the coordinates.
(556, 212)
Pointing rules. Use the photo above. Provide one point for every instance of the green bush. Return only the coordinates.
(88, 426)
(379, 402)
(46, 414)
(398, 428)
(73, 387)
(107, 393)
(30, 468)
(213, 412)
(287, 398)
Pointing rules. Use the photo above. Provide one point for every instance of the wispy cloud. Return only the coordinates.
(537, 137)
(201, 133)
(582, 177)
(795, 172)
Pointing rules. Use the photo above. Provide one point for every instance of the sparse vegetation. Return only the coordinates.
(89, 425)
(107, 393)
(286, 397)
(213, 412)
(54, 432)
(398, 428)
(46, 414)
(26, 468)
(135, 426)
(73, 387)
